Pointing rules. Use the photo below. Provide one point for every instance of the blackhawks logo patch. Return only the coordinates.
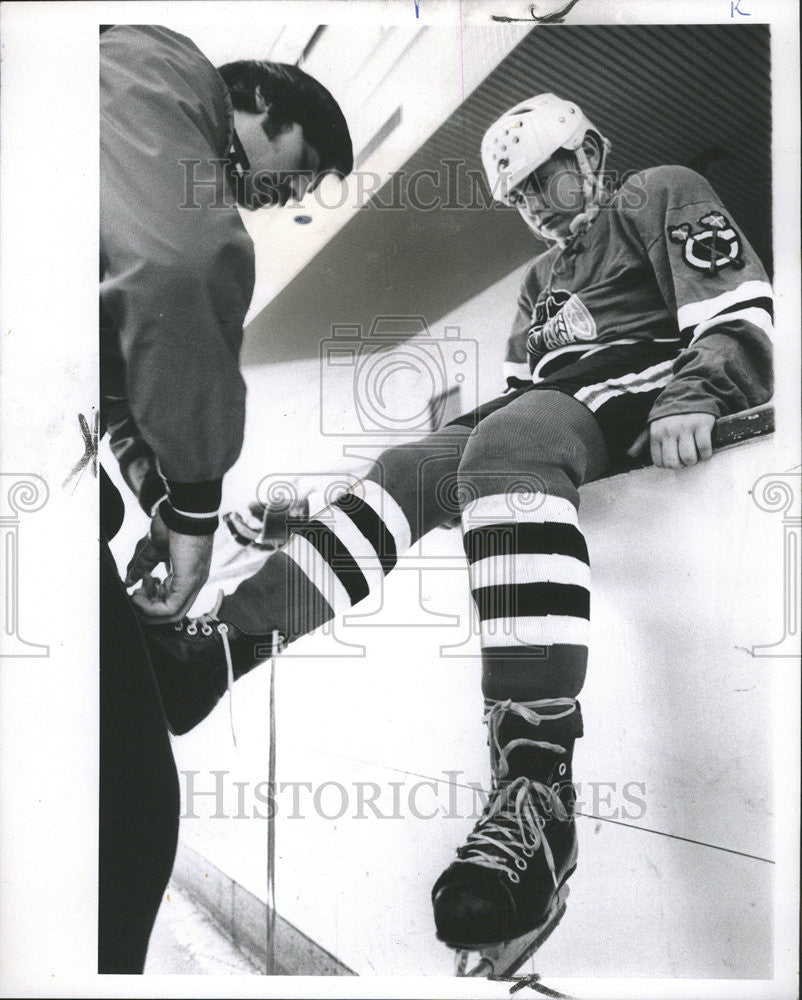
(717, 245)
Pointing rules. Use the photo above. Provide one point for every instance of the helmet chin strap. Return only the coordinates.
(591, 189)
(541, 233)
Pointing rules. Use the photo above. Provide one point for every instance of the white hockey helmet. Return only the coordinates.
(524, 137)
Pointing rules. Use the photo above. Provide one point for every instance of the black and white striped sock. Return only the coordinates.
(530, 580)
(335, 560)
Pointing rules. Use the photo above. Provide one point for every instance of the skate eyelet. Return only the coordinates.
(192, 629)
(206, 629)
(514, 877)
(561, 770)
(178, 626)
(222, 628)
(556, 787)
(521, 865)
(528, 852)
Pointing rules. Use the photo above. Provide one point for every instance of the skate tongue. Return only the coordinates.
(529, 762)
(531, 751)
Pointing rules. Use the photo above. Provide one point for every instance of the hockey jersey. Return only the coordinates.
(663, 276)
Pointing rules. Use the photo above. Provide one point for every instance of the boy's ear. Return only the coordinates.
(261, 103)
(592, 150)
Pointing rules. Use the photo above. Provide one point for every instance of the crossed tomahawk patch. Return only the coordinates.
(716, 246)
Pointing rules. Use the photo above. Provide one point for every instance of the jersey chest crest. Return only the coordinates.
(560, 318)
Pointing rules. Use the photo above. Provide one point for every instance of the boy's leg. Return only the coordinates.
(520, 475)
(529, 563)
(328, 564)
(343, 553)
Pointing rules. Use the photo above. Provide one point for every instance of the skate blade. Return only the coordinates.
(500, 960)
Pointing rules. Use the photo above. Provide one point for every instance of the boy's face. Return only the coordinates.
(282, 167)
(550, 197)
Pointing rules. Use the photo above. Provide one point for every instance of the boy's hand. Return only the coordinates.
(677, 441)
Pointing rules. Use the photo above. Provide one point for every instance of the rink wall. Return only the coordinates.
(380, 741)
(379, 716)
(675, 770)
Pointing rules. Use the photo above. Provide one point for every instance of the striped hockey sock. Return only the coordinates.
(530, 580)
(344, 552)
(335, 560)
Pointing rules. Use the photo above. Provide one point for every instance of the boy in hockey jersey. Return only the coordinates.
(647, 319)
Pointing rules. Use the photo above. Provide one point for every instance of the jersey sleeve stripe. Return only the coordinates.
(757, 317)
(764, 303)
(690, 315)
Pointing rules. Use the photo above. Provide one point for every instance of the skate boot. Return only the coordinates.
(506, 890)
(196, 660)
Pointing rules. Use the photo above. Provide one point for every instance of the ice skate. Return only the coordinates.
(197, 659)
(506, 891)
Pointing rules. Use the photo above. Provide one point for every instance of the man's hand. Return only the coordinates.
(677, 441)
(151, 550)
(187, 557)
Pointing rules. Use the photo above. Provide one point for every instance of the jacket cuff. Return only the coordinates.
(151, 492)
(677, 407)
(136, 450)
(192, 508)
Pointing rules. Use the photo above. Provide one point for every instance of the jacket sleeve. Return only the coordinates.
(135, 458)
(177, 266)
(717, 288)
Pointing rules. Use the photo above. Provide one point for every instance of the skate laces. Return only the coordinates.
(207, 624)
(511, 828)
(528, 711)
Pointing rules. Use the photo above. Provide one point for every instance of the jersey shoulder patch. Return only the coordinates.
(709, 244)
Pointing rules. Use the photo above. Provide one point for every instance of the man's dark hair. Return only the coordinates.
(293, 97)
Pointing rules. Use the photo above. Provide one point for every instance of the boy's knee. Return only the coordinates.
(505, 442)
(409, 461)
(511, 452)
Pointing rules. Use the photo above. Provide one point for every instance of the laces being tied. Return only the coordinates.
(510, 829)
(206, 624)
